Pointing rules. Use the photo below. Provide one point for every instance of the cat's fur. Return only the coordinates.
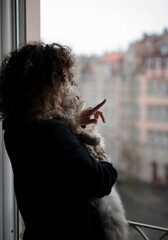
(110, 207)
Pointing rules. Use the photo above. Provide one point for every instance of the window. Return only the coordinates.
(166, 63)
(125, 88)
(165, 140)
(166, 88)
(135, 111)
(158, 111)
(14, 30)
(123, 93)
(158, 62)
(11, 34)
(135, 88)
(150, 137)
(149, 44)
(150, 88)
(136, 135)
(124, 133)
(159, 88)
(166, 113)
(149, 62)
(158, 138)
(150, 113)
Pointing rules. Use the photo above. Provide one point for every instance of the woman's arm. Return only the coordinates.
(95, 178)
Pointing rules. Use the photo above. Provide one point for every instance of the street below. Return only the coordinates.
(145, 203)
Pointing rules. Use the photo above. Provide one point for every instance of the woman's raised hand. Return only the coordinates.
(91, 114)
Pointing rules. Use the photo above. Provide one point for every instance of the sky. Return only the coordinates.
(94, 27)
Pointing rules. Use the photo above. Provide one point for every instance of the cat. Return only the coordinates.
(110, 207)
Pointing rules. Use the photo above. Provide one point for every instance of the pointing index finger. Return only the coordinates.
(93, 110)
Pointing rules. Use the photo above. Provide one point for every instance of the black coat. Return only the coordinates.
(54, 179)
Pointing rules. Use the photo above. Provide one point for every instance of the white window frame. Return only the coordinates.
(12, 34)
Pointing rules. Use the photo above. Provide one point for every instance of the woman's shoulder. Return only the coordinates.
(55, 125)
(57, 129)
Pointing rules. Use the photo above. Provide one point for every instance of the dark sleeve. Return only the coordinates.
(95, 178)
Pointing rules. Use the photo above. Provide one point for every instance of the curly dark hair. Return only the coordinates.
(30, 75)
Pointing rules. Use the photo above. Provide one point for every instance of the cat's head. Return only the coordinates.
(73, 100)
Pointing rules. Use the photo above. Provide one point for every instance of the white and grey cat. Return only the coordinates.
(110, 207)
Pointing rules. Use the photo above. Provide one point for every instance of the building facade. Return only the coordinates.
(97, 77)
(143, 114)
(135, 84)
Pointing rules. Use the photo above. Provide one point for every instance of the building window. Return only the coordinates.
(158, 138)
(150, 137)
(166, 114)
(165, 140)
(150, 113)
(166, 66)
(149, 43)
(136, 134)
(158, 88)
(130, 111)
(125, 89)
(158, 62)
(149, 63)
(135, 88)
(166, 88)
(125, 111)
(150, 88)
(158, 113)
(124, 133)
(135, 111)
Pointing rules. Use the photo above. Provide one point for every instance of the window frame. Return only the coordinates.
(12, 34)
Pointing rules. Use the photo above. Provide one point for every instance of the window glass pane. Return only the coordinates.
(150, 137)
(158, 138)
(158, 113)
(166, 88)
(166, 113)
(150, 112)
(166, 62)
(132, 76)
(165, 139)
(150, 88)
(158, 62)
(149, 64)
(158, 88)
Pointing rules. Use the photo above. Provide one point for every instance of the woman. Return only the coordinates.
(54, 176)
